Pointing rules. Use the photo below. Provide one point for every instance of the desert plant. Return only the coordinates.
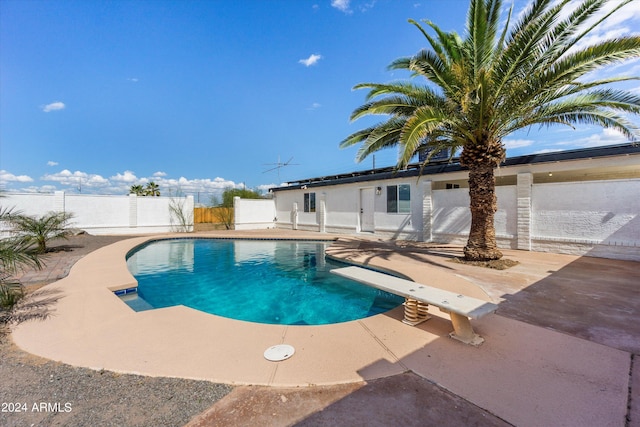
(40, 230)
(181, 219)
(16, 254)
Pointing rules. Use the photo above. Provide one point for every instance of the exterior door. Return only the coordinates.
(366, 209)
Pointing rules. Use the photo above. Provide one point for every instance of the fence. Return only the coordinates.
(252, 214)
(210, 215)
(99, 214)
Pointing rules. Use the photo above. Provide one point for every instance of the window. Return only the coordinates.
(452, 186)
(399, 198)
(309, 202)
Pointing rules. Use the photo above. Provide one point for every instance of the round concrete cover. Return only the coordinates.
(279, 352)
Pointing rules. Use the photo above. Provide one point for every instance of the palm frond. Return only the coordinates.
(494, 82)
(522, 44)
(424, 122)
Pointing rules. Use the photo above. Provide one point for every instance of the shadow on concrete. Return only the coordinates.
(592, 298)
(384, 249)
(38, 305)
(402, 400)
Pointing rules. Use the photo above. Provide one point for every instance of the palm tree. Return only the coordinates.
(152, 189)
(493, 82)
(138, 190)
(16, 254)
(39, 230)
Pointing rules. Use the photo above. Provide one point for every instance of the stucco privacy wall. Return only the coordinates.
(601, 217)
(451, 218)
(100, 214)
(253, 214)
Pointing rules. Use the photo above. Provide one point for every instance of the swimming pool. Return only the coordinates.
(264, 281)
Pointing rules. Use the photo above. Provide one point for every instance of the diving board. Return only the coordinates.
(418, 296)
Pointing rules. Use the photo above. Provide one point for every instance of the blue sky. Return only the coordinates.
(96, 96)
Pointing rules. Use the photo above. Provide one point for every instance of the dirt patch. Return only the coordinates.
(48, 393)
(496, 264)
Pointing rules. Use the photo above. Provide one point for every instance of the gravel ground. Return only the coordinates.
(48, 393)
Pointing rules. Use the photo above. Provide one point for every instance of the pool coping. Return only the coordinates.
(566, 377)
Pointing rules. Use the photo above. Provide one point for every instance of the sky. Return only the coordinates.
(201, 95)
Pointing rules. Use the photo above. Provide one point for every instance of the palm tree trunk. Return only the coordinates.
(481, 245)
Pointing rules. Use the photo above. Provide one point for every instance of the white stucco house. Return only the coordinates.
(583, 201)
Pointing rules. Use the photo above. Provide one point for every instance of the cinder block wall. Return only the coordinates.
(99, 214)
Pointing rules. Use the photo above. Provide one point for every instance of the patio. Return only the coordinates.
(552, 356)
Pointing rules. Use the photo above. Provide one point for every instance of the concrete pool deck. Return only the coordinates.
(525, 373)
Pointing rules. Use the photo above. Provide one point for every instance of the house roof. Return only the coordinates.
(453, 165)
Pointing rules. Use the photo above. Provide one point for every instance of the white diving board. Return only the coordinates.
(418, 296)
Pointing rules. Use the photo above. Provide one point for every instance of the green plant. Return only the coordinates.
(10, 293)
(16, 254)
(152, 189)
(138, 190)
(40, 230)
(493, 82)
(224, 206)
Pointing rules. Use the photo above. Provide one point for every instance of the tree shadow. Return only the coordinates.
(366, 251)
(37, 305)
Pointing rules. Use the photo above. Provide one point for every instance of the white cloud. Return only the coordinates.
(311, 60)
(606, 137)
(77, 179)
(54, 106)
(9, 177)
(365, 7)
(618, 24)
(314, 106)
(119, 184)
(205, 185)
(133, 79)
(517, 143)
(52, 163)
(126, 177)
(342, 5)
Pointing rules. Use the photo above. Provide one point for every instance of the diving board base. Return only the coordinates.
(463, 331)
(415, 312)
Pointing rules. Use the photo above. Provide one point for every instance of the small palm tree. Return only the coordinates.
(40, 230)
(493, 82)
(16, 254)
(138, 190)
(152, 189)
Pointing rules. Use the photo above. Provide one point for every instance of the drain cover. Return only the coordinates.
(279, 352)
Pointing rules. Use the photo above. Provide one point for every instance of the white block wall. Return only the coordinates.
(253, 214)
(593, 218)
(451, 218)
(98, 214)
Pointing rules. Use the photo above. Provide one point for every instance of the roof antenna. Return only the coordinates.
(279, 165)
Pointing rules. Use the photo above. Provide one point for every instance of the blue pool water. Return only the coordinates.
(276, 282)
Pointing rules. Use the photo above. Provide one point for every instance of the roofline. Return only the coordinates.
(453, 165)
